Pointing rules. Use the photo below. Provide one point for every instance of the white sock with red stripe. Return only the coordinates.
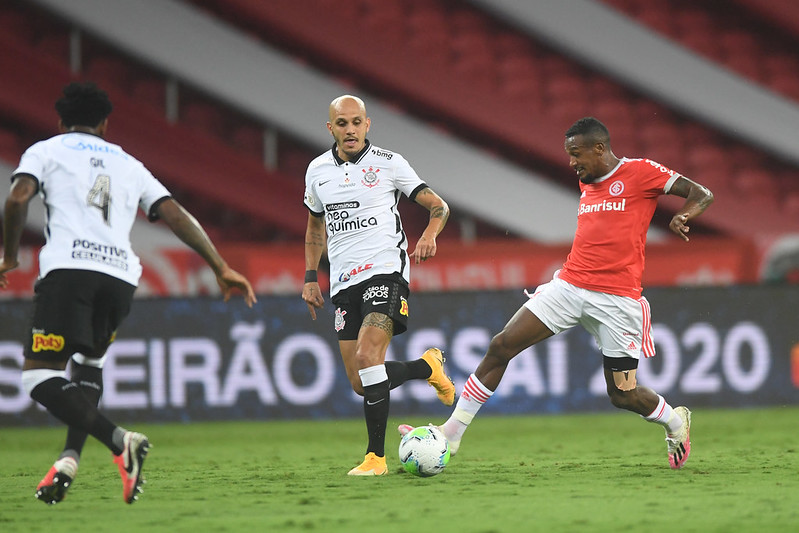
(472, 398)
(665, 416)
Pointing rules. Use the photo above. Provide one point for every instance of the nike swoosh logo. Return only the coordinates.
(378, 303)
(374, 403)
(323, 182)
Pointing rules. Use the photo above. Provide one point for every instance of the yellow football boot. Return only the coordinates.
(444, 386)
(372, 465)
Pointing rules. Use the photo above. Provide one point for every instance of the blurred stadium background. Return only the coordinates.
(226, 100)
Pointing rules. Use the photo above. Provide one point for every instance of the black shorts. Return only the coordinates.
(385, 293)
(76, 311)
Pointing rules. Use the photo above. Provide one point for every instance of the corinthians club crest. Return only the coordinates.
(339, 321)
(370, 178)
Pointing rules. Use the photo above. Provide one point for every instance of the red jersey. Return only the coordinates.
(607, 254)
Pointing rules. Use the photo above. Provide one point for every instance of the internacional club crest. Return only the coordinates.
(370, 178)
(616, 188)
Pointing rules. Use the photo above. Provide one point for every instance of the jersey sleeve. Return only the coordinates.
(405, 177)
(33, 163)
(310, 199)
(657, 179)
(153, 193)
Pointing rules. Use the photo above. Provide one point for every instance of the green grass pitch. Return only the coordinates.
(570, 473)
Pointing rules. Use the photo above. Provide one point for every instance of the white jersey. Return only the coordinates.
(91, 190)
(359, 200)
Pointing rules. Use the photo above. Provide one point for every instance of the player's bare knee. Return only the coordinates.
(618, 399)
(355, 381)
(499, 349)
(357, 386)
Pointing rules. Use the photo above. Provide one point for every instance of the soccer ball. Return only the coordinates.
(424, 451)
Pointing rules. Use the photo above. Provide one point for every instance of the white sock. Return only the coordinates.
(474, 395)
(67, 465)
(665, 416)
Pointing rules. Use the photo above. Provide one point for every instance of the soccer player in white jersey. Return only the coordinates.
(351, 192)
(599, 286)
(92, 190)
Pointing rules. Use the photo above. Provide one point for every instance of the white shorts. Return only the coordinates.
(621, 326)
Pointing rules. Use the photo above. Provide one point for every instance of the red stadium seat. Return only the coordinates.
(150, 91)
(182, 158)
(10, 145)
(790, 205)
(17, 24)
(787, 84)
(512, 45)
(484, 76)
(478, 75)
(741, 35)
(202, 116)
(756, 185)
(55, 45)
(248, 139)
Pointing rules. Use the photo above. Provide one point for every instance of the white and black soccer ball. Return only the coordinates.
(424, 451)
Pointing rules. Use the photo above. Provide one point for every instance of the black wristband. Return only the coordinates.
(310, 276)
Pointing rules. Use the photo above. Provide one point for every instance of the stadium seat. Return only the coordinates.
(151, 91)
(10, 145)
(786, 83)
(181, 157)
(738, 42)
(105, 70)
(782, 15)
(16, 24)
(465, 56)
(55, 45)
(790, 205)
(740, 35)
(249, 139)
(202, 116)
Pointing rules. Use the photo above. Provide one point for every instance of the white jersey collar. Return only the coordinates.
(609, 174)
(356, 159)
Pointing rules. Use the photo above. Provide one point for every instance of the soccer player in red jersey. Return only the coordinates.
(599, 286)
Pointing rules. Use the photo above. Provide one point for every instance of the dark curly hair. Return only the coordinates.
(83, 104)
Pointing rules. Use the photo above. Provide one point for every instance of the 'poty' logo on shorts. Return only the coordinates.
(403, 306)
(49, 342)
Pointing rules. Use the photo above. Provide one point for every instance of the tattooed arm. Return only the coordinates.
(697, 199)
(439, 213)
(314, 246)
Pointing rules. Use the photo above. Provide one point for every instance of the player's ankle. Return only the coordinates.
(453, 428)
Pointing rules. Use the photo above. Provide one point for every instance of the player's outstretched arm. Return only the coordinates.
(23, 188)
(188, 230)
(697, 199)
(314, 246)
(439, 214)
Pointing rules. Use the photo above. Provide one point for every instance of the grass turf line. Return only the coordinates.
(589, 472)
